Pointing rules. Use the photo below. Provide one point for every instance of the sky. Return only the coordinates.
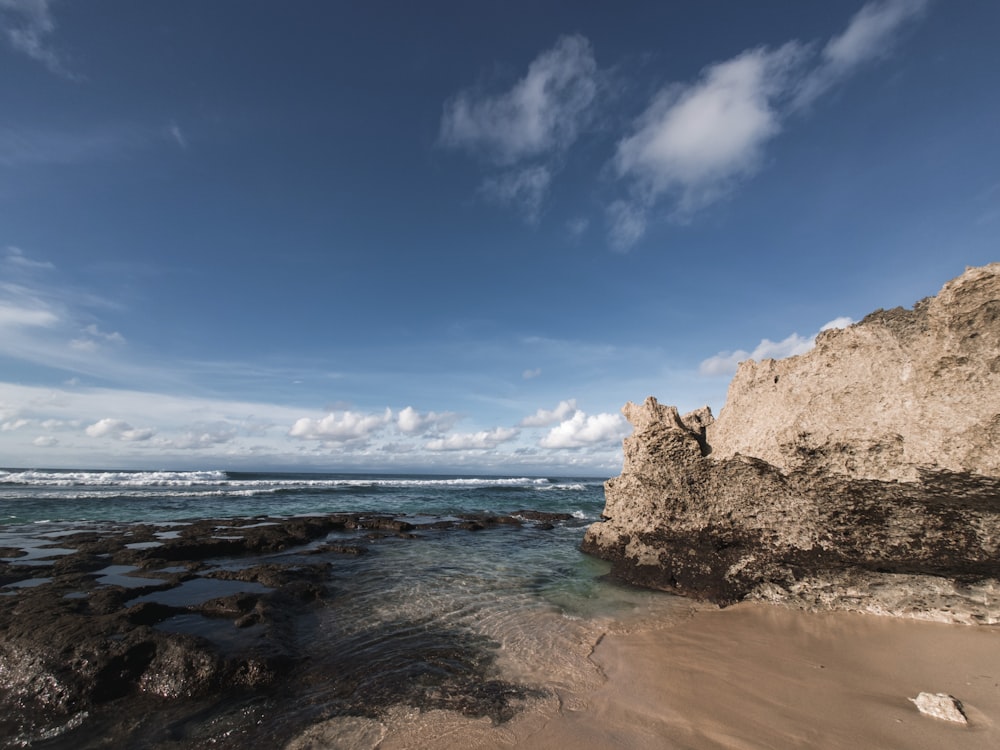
(459, 236)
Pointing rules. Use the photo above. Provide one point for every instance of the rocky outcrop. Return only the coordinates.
(864, 474)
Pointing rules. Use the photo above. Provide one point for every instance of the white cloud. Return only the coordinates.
(869, 36)
(208, 438)
(14, 316)
(725, 363)
(695, 142)
(581, 430)
(340, 427)
(411, 422)
(626, 223)
(26, 24)
(523, 188)
(93, 337)
(578, 226)
(531, 374)
(483, 440)
(842, 322)
(546, 417)
(175, 133)
(45, 441)
(17, 257)
(14, 424)
(118, 429)
(185, 432)
(542, 112)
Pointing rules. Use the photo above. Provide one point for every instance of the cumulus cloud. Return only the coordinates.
(725, 363)
(542, 112)
(524, 189)
(341, 427)
(483, 440)
(581, 431)
(531, 374)
(118, 429)
(27, 24)
(14, 424)
(411, 422)
(45, 441)
(546, 417)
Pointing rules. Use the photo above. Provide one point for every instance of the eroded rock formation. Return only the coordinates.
(864, 474)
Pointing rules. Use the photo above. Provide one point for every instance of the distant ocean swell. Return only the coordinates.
(32, 495)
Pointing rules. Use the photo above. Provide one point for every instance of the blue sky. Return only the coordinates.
(458, 236)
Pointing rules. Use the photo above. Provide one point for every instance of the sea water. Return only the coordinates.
(526, 595)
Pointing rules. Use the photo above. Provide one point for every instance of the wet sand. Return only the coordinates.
(755, 676)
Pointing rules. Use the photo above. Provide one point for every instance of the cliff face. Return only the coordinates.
(864, 474)
(900, 391)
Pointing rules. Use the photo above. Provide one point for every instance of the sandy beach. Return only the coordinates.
(750, 676)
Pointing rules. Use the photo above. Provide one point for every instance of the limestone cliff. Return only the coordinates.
(864, 474)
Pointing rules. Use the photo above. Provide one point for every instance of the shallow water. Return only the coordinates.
(505, 618)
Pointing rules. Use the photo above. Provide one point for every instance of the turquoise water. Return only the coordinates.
(525, 595)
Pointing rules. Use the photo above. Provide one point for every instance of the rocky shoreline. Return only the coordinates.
(862, 475)
(105, 626)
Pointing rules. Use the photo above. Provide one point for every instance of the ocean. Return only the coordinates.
(446, 623)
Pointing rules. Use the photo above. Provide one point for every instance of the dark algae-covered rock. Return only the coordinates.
(864, 474)
(129, 630)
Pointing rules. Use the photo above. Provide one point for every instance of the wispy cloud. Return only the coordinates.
(27, 24)
(627, 222)
(542, 112)
(870, 35)
(177, 135)
(16, 257)
(206, 438)
(13, 316)
(49, 323)
(725, 363)
(578, 226)
(524, 189)
(695, 143)
(93, 338)
(527, 127)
